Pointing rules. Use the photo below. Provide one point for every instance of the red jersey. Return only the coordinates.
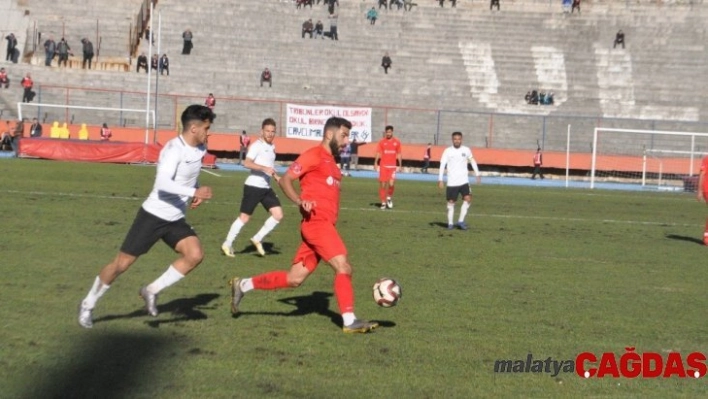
(320, 181)
(388, 150)
(704, 169)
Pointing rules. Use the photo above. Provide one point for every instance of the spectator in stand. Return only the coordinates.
(319, 28)
(619, 39)
(441, 3)
(397, 3)
(333, 25)
(566, 6)
(408, 5)
(187, 39)
(210, 101)
(50, 48)
(154, 62)
(244, 140)
(142, 63)
(493, 3)
(4, 80)
(87, 49)
(307, 28)
(106, 133)
(11, 46)
(372, 15)
(386, 62)
(64, 51)
(576, 4)
(266, 76)
(35, 128)
(382, 3)
(164, 64)
(27, 84)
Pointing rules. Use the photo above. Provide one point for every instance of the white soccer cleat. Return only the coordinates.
(85, 316)
(389, 203)
(259, 246)
(227, 250)
(150, 301)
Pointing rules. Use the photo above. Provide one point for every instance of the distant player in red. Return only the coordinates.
(702, 192)
(389, 152)
(318, 200)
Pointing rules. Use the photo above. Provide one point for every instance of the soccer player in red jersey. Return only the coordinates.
(702, 192)
(389, 151)
(318, 200)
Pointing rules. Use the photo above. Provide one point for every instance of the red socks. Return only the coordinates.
(271, 280)
(705, 234)
(390, 190)
(344, 292)
(382, 194)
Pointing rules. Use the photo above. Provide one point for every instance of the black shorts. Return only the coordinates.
(252, 196)
(452, 192)
(147, 229)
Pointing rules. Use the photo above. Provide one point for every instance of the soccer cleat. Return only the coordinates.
(389, 203)
(150, 301)
(85, 316)
(236, 294)
(227, 250)
(383, 205)
(450, 226)
(463, 226)
(360, 326)
(259, 246)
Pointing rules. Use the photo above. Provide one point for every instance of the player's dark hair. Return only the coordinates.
(268, 122)
(456, 134)
(389, 127)
(336, 122)
(196, 113)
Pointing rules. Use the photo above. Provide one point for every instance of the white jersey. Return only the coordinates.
(176, 179)
(263, 154)
(455, 159)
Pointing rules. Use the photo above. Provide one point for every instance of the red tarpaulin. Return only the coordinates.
(94, 151)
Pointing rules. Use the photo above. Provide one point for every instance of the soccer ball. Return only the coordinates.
(387, 292)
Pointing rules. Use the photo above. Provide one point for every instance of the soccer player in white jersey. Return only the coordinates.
(260, 159)
(162, 215)
(455, 159)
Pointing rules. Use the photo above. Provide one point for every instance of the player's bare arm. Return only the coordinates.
(699, 188)
(286, 184)
(249, 164)
(376, 162)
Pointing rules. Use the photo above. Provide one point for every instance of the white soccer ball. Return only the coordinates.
(387, 292)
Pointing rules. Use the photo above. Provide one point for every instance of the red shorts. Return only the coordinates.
(387, 174)
(320, 240)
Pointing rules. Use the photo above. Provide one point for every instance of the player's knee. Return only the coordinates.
(194, 256)
(244, 218)
(295, 281)
(277, 214)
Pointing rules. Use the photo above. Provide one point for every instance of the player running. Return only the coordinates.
(162, 215)
(455, 159)
(389, 151)
(702, 192)
(318, 201)
(260, 159)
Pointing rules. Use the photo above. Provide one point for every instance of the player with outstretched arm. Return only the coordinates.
(318, 200)
(455, 159)
(162, 215)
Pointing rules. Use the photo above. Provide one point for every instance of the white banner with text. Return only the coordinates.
(307, 121)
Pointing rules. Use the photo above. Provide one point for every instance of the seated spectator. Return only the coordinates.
(106, 133)
(266, 76)
(164, 64)
(493, 3)
(576, 4)
(534, 97)
(442, 3)
(372, 15)
(303, 3)
(549, 98)
(35, 128)
(319, 28)
(307, 28)
(408, 5)
(386, 62)
(542, 97)
(619, 39)
(4, 80)
(154, 62)
(527, 97)
(566, 6)
(397, 3)
(142, 63)
(382, 3)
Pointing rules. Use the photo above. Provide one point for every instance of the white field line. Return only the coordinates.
(372, 209)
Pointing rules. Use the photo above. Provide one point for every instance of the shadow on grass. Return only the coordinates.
(684, 238)
(183, 309)
(105, 365)
(315, 303)
(267, 247)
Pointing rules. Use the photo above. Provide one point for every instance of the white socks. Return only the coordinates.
(246, 285)
(168, 278)
(463, 210)
(96, 291)
(348, 318)
(233, 231)
(268, 226)
(450, 212)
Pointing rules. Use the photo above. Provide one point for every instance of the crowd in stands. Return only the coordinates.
(539, 98)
